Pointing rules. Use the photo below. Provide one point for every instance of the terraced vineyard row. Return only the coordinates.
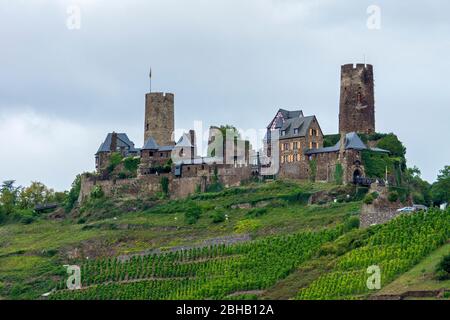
(213, 272)
(395, 248)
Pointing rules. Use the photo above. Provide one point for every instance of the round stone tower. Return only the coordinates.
(357, 100)
(159, 118)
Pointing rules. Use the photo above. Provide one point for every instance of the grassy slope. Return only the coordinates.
(421, 277)
(31, 256)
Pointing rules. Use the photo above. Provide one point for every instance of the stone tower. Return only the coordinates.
(357, 101)
(159, 118)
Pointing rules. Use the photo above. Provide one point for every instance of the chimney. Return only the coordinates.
(113, 146)
(193, 143)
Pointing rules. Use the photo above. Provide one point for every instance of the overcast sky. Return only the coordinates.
(227, 61)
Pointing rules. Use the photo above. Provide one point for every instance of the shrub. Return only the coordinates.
(351, 223)
(393, 196)
(97, 192)
(192, 215)
(164, 181)
(245, 226)
(74, 193)
(257, 212)
(368, 199)
(215, 187)
(443, 268)
(331, 140)
(27, 220)
(338, 174)
(218, 216)
(313, 170)
(360, 193)
(390, 142)
(131, 164)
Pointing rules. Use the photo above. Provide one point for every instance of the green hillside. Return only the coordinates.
(262, 240)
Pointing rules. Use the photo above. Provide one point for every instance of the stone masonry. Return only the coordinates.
(357, 102)
(159, 118)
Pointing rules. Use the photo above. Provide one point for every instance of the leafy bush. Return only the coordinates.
(393, 196)
(368, 199)
(131, 164)
(215, 187)
(114, 160)
(192, 215)
(74, 193)
(218, 216)
(164, 181)
(338, 174)
(443, 268)
(351, 223)
(248, 225)
(330, 140)
(27, 220)
(97, 192)
(257, 212)
(390, 142)
(376, 163)
(360, 193)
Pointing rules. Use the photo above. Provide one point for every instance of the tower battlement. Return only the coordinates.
(357, 99)
(159, 117)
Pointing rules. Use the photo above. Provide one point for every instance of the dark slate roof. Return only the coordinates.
(286, 115)
(150, 144)
(122, 141)
(184, 141)
(352, 141)
(302, 124)
(166, 148)
(291, 114)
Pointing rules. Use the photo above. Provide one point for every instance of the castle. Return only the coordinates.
(293, 145)
(301, 151)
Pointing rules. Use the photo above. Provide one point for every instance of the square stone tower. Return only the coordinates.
(357, 100)
(159, 118)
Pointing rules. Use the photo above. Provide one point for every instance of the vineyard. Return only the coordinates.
(219, 271)
(395, 248)
(203, 273)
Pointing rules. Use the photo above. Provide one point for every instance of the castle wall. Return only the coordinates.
(159, 117)
(357, 100)
(381, 210)
(326, 166)
(179, 187)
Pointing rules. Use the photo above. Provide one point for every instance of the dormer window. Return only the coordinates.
(296, 131)
(283, 133)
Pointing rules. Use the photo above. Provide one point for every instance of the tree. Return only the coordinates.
(9, 196)
(420, 189)
(390, 142)
(440, 190)
(74, 193)
(36, 193)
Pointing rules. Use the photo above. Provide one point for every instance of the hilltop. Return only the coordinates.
(260, 240)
